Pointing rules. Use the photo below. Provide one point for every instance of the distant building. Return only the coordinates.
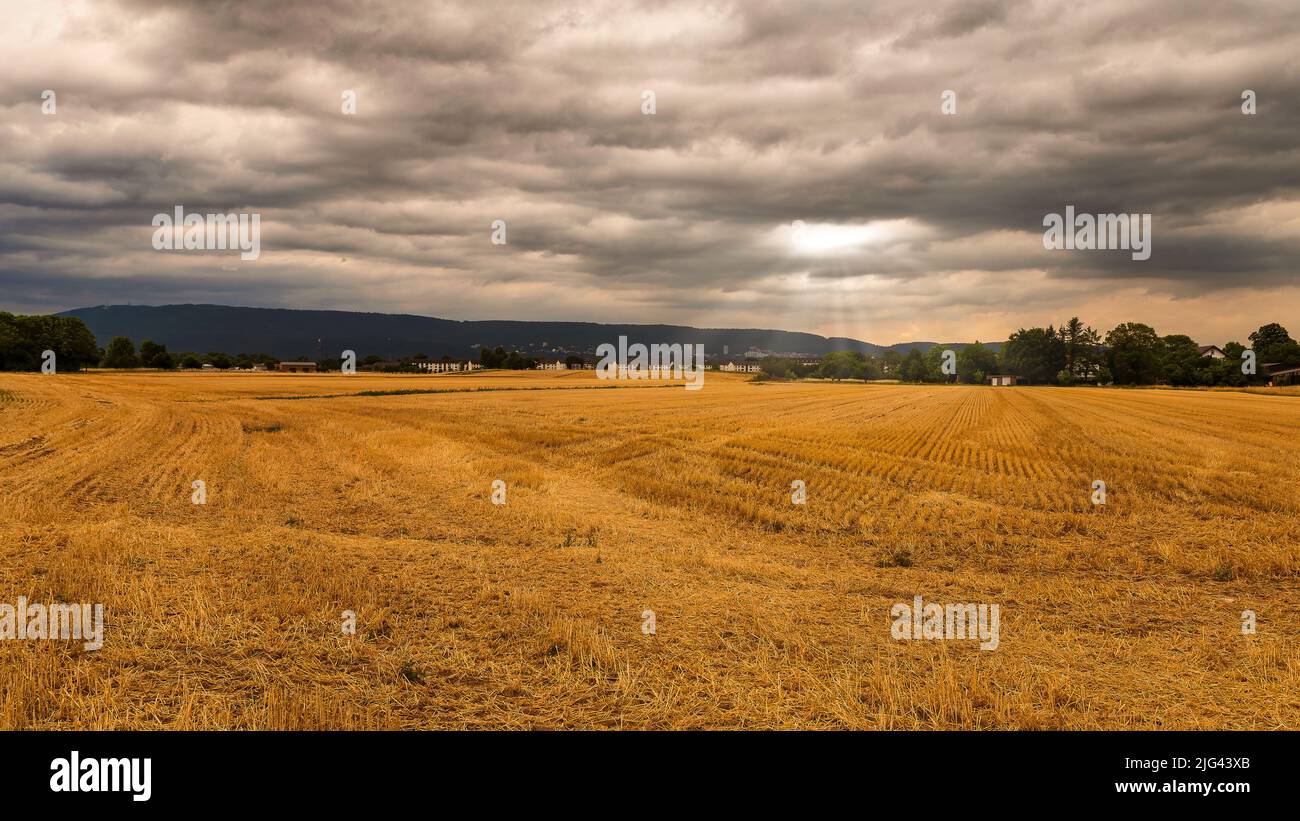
(1212, 351)
(732, 367)
(999, 379)
(447, 367)
(297, 367)
(1284, 376)
(552, 366)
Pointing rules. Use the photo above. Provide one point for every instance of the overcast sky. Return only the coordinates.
(916, 224)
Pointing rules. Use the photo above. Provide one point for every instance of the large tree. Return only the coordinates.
(1133, 352)
(120, 353)
(24, 339)
(934, 365)
(1034, 354)
(891, 362)
(1181, 362)
(1272, 344)
(154, 355)
(913, 367)
(975, 363)
(1081, 346)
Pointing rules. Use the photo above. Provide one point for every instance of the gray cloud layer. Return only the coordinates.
(924, 225)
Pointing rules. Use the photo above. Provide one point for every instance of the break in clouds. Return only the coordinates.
(912, 223)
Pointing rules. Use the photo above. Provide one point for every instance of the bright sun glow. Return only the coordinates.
(824, 238)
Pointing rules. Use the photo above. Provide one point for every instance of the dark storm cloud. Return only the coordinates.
(767, 113)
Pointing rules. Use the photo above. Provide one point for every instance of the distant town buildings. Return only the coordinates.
(447, 367)
(566, 366)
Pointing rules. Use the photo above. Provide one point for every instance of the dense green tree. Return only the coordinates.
(489, 358)
(934, 365)
(1268, 337)
(1081, 347)
(848, 365)
(891, 362)
(120, 353)
(780, 367)
(154, 355)
(1133, 354)
(1181, 362)
(913, 367)
(775, 367)
(1272, 344)
(24, 339)
(14, 354)
(1036, 355)
(975, 363)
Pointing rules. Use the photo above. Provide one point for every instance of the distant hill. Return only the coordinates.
(287, 333)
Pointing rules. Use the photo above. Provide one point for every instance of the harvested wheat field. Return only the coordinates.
(329, 493)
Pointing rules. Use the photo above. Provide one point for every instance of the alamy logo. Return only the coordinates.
(1102, 232)
(653, 362)
(210, 232)
(75, 774)
(54, 621)
(921, 621)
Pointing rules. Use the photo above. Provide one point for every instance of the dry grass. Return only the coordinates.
(529, 615)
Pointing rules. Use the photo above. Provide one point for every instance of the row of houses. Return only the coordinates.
(427, 367)
(564, 366)
(448, 367)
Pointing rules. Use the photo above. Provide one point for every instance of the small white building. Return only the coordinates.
(1002, 379)
(1212, 351)
(732, 367)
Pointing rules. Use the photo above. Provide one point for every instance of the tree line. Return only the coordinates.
(24, 340)
(1129, 354)
(121, 353)
(1073, 354)
(508, 360)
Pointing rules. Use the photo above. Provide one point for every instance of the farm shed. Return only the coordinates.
(1284, 376)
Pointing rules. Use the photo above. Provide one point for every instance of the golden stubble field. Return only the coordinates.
(529, 615)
